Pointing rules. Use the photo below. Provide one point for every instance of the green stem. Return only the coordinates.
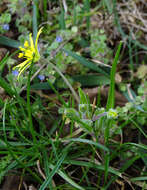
(29, 104)
(66, 81)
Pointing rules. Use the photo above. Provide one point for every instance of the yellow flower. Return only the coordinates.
(29, 52)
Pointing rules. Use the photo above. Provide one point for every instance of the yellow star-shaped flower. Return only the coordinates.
(29, 52)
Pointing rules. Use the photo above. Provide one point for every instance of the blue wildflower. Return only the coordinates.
(6, 27)
(59, 39)
(41, 77)
(15, 73)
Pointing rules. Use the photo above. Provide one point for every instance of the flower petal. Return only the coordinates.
(21, 65)
(26, 44)
(36, 41)
(23, 68)
(31, 43)
(20, 55)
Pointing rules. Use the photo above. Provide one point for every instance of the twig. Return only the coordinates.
(40, 171)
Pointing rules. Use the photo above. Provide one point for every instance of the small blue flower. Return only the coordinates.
(15, 73)
(41, 77)
(66, 54)
(6, 27)
(59, 39)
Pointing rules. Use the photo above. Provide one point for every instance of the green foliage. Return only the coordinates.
(98, 46)
(4, 162)
(51, 132)
(5, 18)
(111, 98)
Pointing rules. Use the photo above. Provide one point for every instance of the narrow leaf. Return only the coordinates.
(86, 63)
(111, 93)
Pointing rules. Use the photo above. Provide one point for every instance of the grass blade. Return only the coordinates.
(111, 93)
(98, 145)
(62, 20)
(66, 178)
(87, 10)
(55, 169)
(108, 4)
(35, 15)
(9, 42)
(85, 62)
(91, 80)
(6, 86)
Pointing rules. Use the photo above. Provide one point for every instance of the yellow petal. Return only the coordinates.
(36, 41)
(29, 54)
(23, 68)
(26, 44)
(31, 42)
(21, 48)
(20, 55)
(21, 65)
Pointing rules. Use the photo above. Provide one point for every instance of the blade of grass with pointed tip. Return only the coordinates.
(111, 93)
(85, 62)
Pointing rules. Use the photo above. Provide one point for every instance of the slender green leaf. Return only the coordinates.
(3, 62)
(111, 93)
(98, 145)
(9, 42)
(62, 20)
(87, 10)
(41, 86)
(91, 80)
(142, 178)
(55, 169)
(108, 5)
(35, 15)
(83, 97)
(86, 63)
(6, 86)
(66, 178)
(92, 165)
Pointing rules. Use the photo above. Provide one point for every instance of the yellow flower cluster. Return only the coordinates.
(29, 52)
